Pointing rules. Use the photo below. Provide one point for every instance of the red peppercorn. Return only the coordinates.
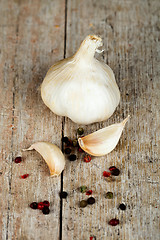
(18, 160)
(89, 192)
(46, 203)
(87, 158)
(40, 205)
(24, 176)
(106, 174)
(114, 222)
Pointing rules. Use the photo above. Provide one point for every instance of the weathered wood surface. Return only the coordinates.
(35, 34)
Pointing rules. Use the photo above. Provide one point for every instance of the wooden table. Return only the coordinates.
(36, 34)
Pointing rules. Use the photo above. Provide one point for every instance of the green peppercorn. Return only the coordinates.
(83, 189)
(75, 143)
(109, 195)
(80, 131)
(83, 203)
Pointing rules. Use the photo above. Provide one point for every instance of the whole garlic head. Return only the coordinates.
(81, 87)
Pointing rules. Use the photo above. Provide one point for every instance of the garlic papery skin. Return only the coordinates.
(103, 141)
(81, 87)
(52, 155)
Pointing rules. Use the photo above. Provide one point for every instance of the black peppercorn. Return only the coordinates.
(72, 157)
(115, 172)
(34, 205)
(91, 200)
(67, 150)
(45, 210)
(65, 140)
(122, 207)
(63, 194)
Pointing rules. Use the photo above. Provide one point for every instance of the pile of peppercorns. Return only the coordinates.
(44, 206)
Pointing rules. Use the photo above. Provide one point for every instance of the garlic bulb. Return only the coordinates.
(52, 155)
(80, 87)
(102, 141)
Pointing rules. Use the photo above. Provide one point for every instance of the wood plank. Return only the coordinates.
(130, 33)
(35, 30)
(7, 58)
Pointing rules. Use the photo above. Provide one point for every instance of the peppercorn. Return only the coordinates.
(87, 158)
(46, 210)
(63, 194)
(122, 207)
(67, 150)
(106, 174)
(34, 205)
(91, 200)
(109, 195)
(83, 203)
(72, 157)
(114, 222)
(46, 203)
(80, 131)
(75, 143)
(18, 160)
(83, 189)
(89, 192)
(40, 205)
(115, 172)
(65, 139)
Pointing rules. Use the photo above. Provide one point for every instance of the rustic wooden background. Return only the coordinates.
(33, 36)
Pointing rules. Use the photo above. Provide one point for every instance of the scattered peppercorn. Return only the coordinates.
(46, 210)
(18, 160)
(122, 207)
(75, 143)
(83, 203)
(24, 176)
(106, 174)
(34, 205)
(115, 172)
(65, 139)
(109, 195)
(91, 200)
(92, 238)
(89, 192)
(87, 158)
(83, 189)
(40, 205)
(72, 157)
(80, 131)
(114, 222)
(67, 150)
(46, 203)
(63, 194)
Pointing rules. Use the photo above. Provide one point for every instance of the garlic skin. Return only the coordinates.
(52, 155)
(103, 141)
(81, 87)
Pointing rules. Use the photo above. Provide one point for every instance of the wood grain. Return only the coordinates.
(130, 33)
(33, 39)
(36, 34)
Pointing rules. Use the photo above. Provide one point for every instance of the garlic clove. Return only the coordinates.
(103, 141)
(52, 155)
(81, 87)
